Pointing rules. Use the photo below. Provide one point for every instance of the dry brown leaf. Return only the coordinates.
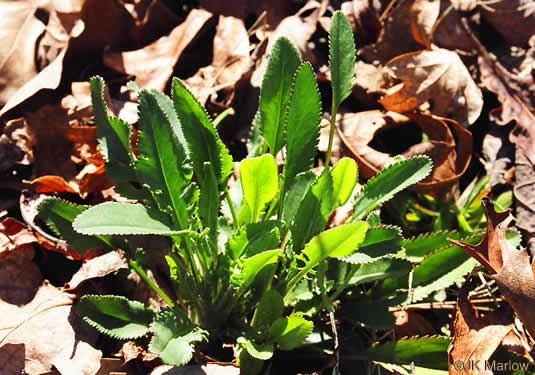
(511, 268)
(230, 60)
(524, 193)
(439, 77)
(12, 359)
(514, 20)
(153, 65)
(476, 338)
(516, 98)
(449, 144)
(97, 267)
(299, 29)
(410, 323)
(424, 14)
(16, 144)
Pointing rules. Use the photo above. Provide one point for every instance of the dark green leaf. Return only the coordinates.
(255, 238)
(386, 268)
(302, 124)
(390, 181)
(173, 341)
(58, 215)
(379, 243)
(123, 218)
(275, 94)
(269, 309)
(115, 316)
(161, 164)
(209, 201)
(341, 58)
(295, 195)
(203, 141)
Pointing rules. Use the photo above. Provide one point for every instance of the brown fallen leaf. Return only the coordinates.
(476, 338)
(230, 60)
(299, 28)
(438, 77)
(524, 193)
(97, 267)
(153, 65)
(449, 144)
(16, 143)
(12, 358)
(424, 15)
(514, 20)
(410, 323)
(511, 268)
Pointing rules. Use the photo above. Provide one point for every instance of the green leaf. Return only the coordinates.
(254, 238)
(260, 182)
(314, 211)
(345, 177)
(161, 164)
(203, 141)
(381, 269)
(368, 312)
(209, 200)
(172, 340)
(115, 316)
(417, 248)
(252, 266)
(269, 308)
(113, 135)
(341, 58)
(295, 195)
(275, 94)
(389, 182)
(58, 215)
(337, 242)
(290, 332)
(410, 370)
(429, 352)
(123, 218)
(302, 124)
(259, 351)
(379, 243)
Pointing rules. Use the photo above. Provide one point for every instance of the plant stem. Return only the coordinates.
(331, 135)
(151, 283)
(222, 116)
(232, 208)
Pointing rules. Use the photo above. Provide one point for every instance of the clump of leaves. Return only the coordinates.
(240, 263)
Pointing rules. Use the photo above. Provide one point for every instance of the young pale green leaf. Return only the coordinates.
(123, 218)
(341, 58)
(209, 201)
(259, 351)
(345, 177)
(290, 332)
(314, 211)
(302, 124)
(269, 308)
(260, 182)
(389, 182)
(429, 352)
(58, 215)
(334, 243)
(203, 141)
(275, 94)
(173, 341)
(379, 243)
(254, 238)
(161, 164)
(115, 316)
(252, 266)
(113, 135)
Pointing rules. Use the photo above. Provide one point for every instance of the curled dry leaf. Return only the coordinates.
(153, 65)
(97, 267)
(511, 268)
(230, 60)
(16, 144)
(424, 14)
(299, 29)
(516, 97)
(476, 338)
(449, 145)
(437, 77)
